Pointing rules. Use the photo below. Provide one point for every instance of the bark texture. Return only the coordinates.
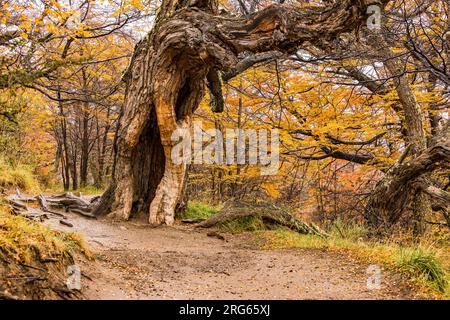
(409, 203)
(397, 190)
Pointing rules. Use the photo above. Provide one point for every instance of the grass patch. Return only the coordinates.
(199, 210)
(248, 223)
(23, 240)
(339, 229)
(17, 177)
(424, 265)
(89, 190)
(34, 258)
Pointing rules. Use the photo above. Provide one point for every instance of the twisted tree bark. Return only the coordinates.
(166, 81)
(404, 181)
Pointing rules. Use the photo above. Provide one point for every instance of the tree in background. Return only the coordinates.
(73, 54)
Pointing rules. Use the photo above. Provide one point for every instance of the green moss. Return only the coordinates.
(89, 190)
(198, 210)
(248, 223)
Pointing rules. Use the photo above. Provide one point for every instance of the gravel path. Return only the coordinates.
(135, 261)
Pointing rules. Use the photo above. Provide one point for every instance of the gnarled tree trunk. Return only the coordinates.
(166, 82)
(404, 182)
(392, 201)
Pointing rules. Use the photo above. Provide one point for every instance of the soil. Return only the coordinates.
(136, 261)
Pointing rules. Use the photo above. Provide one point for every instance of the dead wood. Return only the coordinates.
(214, 234)
(45, 207)
(66, 223)
(32, 267)
(267, 212)
(192, 221)
(83, 213)
(7, 296)
(17, 205)
(48, 260)
(66, 201)
(42, 203)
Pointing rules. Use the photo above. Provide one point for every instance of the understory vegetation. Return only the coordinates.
(198, 210)
(33, 258)
(25, 241)
(17, 177)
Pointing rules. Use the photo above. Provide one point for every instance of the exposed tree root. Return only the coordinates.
(389, 204)
(67, 201)
(267, 212)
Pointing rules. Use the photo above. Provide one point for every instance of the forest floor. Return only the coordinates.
(136, 261)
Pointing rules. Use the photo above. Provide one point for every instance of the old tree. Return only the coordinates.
(189, 49)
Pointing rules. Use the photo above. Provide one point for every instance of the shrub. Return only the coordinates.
(423, 264)
(17, 177)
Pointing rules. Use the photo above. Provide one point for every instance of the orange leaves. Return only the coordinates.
(271, 190)
(322, 114)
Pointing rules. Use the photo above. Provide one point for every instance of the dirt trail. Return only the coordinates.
(135, 261)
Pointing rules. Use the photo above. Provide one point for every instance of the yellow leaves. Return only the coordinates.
(51, 28)
(48, 11)
(38, 21)
(271, 189)
(351, 63)
(138, 4)
(398, 50)
(25, 25)
(224, 3)
(56, 4)
(81, 32)
(128, 5)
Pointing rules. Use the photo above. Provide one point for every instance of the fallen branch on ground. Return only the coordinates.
(267, 212)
